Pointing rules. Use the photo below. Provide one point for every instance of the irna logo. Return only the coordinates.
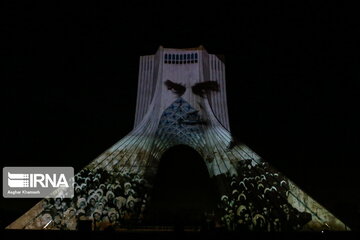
(37, 182)
(19, 180)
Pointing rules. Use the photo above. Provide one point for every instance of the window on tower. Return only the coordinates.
(180, 58)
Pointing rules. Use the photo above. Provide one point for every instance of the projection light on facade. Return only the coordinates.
(181, 100)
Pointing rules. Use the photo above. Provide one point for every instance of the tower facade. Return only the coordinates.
(181, 100)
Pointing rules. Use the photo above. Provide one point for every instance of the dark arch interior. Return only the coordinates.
(183, 190)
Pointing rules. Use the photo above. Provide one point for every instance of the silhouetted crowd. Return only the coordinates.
(258, 201)
(108, 200)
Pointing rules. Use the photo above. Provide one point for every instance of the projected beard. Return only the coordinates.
(180, 122)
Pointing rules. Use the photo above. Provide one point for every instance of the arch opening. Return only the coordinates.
(183, 192)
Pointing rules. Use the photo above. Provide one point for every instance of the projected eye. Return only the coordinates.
(204, 88)
(176, 88)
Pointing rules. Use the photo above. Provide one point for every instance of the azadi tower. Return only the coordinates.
(181, 100)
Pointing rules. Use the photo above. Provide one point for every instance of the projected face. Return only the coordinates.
(72, 213)
(182, 75)
(191, 91)
(96, 216)
(113, 217)
(183, 118)
(194, 96)
(92, 202)
(82, 205)
(185, 93)
(200, 89)
(131, 204)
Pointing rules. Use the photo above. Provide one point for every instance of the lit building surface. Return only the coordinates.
(181, 101)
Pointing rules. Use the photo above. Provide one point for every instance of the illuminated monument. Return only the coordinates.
(181, 100)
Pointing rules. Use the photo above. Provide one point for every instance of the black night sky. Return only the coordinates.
(69, 81)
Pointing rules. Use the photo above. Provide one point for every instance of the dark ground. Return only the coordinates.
(69, 83)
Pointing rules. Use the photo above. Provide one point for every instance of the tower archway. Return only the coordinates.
(182, 192)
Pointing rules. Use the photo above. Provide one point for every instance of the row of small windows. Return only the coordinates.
(181, 58)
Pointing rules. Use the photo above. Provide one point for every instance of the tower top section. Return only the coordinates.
(201, 47)
(190, 73)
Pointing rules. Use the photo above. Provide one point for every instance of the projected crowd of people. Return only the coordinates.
(258, 201)
(108, 201)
